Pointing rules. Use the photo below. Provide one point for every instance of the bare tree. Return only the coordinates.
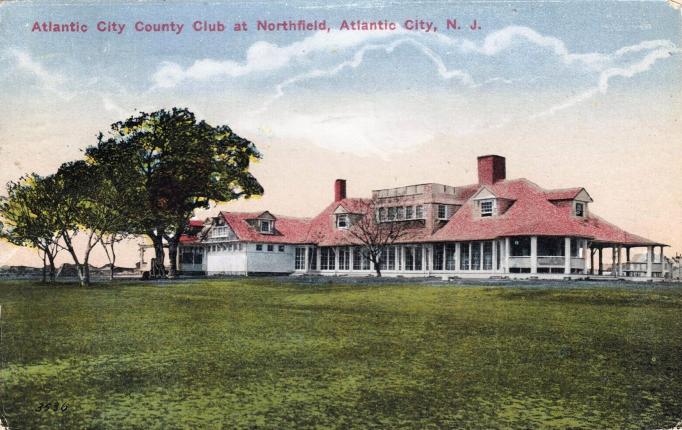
(374, 233)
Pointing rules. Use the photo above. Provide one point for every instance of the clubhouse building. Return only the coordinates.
(497, 227)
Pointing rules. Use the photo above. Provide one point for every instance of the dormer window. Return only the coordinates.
(442, 212)
(486, 208)
(579, 209)
(342, 221)
(265, 226)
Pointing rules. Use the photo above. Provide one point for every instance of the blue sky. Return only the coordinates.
(529, 59)
(596, 83)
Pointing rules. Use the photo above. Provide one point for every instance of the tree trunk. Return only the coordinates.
(173, 257)
(53, 270)
(44, 280)
(378, 271)
(158, 270)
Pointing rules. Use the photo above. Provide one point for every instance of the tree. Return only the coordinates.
(29, 217)
(166, 165)
(375, 234)
(93, 208)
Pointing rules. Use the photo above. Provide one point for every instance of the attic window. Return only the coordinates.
(486, 208)
(265, 226)
(579, 209)
(442, 212)
(342, 221)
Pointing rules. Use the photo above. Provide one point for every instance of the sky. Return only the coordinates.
(572, 93)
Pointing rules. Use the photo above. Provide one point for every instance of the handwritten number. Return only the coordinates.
(50, 406)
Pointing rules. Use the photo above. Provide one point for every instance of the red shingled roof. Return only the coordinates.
(287, 229)
(531, 213)
(563, 194)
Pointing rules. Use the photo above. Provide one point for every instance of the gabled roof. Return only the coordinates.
(322, 229)
(287, 229)
(532, 214)
(323, 232)
(568, 194)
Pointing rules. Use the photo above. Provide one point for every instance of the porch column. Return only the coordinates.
(567, 256)
(592, 251)
(649, 257)
(423, 257)
(496, 246)
(533, 254)
(336, 259)
(618, 262)
(613, 261)
(601, 262)
(402, 257)
(662, 263)
(469, 266)
(318, 255)
(351, 251)
(306, 264)
(507, 253)
(480, 263)
(445, 256)
(456, 259)
(585, 251)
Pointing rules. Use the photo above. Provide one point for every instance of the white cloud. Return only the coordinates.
(50, 81)
(358, 59)
(263, 57)
(605, 76)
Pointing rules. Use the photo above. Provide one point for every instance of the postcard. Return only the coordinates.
(340, 214)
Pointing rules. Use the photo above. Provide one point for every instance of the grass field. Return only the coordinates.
(269, 354)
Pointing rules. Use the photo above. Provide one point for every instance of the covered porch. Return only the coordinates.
(622, 264)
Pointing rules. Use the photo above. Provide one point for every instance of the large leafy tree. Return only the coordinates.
(30, 216)
(166, 164)
(93, 208)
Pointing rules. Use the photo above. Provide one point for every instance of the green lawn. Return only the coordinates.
(266, 354)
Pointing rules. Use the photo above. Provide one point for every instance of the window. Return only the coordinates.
(438, 257)
(280, 248)
(520, 246)
(464, 255)
(419, 212)
(299, 261)
(327, 259)
(408, 212)
(486, 208)
(360, 260)
(442, 212)
(342, 221)
(382, 214)
(344, 258)
(259, 247)
(400, 212)
(265, 226)
(271, 248)
(391, 214)
(475, 256)
(450, 260)
(579, 209)
(487, 255)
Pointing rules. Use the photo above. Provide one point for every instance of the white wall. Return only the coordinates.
(270, 261)
(225, 262)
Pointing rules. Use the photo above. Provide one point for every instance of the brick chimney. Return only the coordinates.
(491, 168)
(339, 190)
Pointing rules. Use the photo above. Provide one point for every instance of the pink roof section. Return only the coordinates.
(563, 194)
(287, 229)
(531, 213)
